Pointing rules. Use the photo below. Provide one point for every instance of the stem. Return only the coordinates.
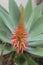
(1, 57)
(22, 16)
(3, 49)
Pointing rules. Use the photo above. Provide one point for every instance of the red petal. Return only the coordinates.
(20, 47)
(23, 44)
(14, 43)
(17, 50)
(13, 37)
(22, 50)
(25, 35)
(18, 44)
(26, 45)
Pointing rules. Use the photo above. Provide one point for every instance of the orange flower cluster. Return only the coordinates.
(18, 39)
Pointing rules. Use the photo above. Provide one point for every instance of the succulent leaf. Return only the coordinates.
(7, 19)
(33, 20)
(14, 11)
(37, 27)
(36, 51)
(36, 43)
(5, 33)
(36, 14)
(28, 11)
(7, 49)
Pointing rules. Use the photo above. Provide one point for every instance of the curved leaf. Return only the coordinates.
(5, 33)
(28, 10)
(36, 37)
(36, 51)
(29, 60)
(36, 44)
(38, 11)
(37, 14)
(37, 27)
(20, 59)
(14, 11)
(7, 49)
(29, 23)
(8, 21)
(24, 59)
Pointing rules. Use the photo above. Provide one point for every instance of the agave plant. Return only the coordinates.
(33, 22)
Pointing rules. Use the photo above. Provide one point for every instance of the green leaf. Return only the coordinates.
(29, 23)
(8, 21)
(38, 11)
(36, 37)
(14, 11)
(5, 33)
(28, 10)
(37, 27)
(29, 60)
(25, 63)
(36, 44)
(20, 59)
(35, 51)
(7, 49)
(24, 59)
(37, 14)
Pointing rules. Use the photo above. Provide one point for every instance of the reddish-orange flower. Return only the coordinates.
(19, 36)
(18, 39)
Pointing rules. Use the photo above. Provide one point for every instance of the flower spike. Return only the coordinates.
(18, 38)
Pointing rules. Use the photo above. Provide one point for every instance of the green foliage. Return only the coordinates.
(5, 48)
(8, 21)
(5, 32)
(28, 10)
(36, 51)
(24, 59)
(33, 20)
(14, 11)
(36, 14)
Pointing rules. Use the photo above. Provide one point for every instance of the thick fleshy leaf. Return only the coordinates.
(37, 27)
(8, 21)
(36, 44)
(7, 49)
(5, 33)
(29, 23)
(37, 14)
(14, 11)
(28, 10)
(38, 11)
(36, 37)
(35, 51)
